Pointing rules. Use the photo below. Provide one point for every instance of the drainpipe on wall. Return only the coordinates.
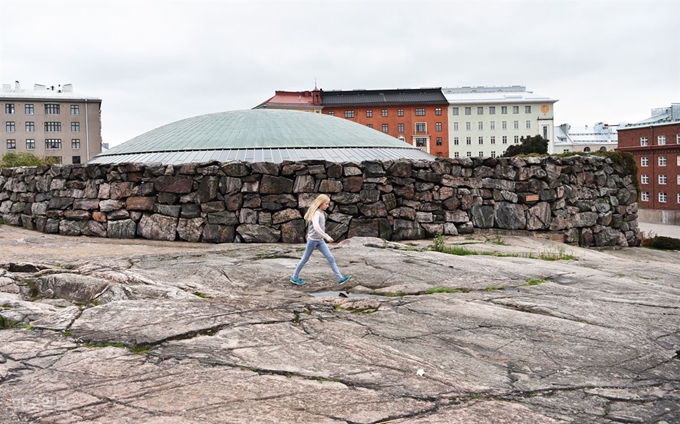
(87, 135)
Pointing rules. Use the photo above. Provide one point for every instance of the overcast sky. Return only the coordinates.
(153, 62)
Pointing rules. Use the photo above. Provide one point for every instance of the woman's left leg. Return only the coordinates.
(323, 247)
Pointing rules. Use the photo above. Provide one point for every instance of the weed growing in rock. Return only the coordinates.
(441, 290)
(6, 306)
(32, 286)
(497, 239)
(5, 323)
(201, 295)
(493, 288)
(546, 255)
(534, 282)
(552, 255)
(137, 350)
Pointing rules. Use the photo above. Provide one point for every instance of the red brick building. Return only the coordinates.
(417, 116)
(655, 143)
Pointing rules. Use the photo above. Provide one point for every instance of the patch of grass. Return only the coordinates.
(67, 333)
(553, 255)
(201, 295)
(33, 287)
(29, 327)
(63, 266)
(647, 278)
(545, 255)
(441, 290)
(493, 288)
(137, 350)
(497, 239)
(367, 310)
(5, 323)
(534, 282)
(394, 294)
(6, 306)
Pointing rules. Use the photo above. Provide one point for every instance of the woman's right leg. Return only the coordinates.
(309, 248)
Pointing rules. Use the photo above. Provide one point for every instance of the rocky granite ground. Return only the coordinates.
(137, 331)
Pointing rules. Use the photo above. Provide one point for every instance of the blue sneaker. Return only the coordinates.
(344, 279)
(297, 281)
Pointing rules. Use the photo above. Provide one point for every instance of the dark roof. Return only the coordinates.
(404, 96)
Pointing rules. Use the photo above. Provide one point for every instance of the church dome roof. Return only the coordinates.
(260, 135)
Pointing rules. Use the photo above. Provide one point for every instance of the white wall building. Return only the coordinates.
(600, 136)
(484, 121)
(50, 122)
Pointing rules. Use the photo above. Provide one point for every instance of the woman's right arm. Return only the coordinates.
(317, 227)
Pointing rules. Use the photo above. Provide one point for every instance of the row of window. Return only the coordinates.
(421, 127)
(644, 179)
(50, 143)
(50, 109)
(661, 161)
(660, 140)
(385, 113)
(492, 110)
(422, 141)
(663, 197)
(481, 154)
(480, 140)
(492, 125)
(10, 126)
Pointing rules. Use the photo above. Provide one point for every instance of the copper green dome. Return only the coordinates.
(260, 135)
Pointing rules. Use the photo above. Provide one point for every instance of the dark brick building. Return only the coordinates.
(655, 143)
(417, 116)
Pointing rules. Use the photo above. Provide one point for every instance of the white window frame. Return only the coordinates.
(663, 197)
(492, 125)
(455, 111)
(661, 140)
(662, 161)
(644, 141)
(644, 179)
(644, 196)
(663, 179)
(644, 161)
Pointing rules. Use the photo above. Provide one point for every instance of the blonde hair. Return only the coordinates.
(320, 200)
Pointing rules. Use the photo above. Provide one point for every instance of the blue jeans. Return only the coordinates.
(323, 247)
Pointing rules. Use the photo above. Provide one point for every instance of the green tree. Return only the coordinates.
(13, 159)
(535, 144)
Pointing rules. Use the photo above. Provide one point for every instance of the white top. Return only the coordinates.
(316, 227)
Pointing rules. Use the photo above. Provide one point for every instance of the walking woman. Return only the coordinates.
(316, 234)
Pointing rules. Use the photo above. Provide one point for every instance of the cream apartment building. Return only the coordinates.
(484, 121)
(50, 121)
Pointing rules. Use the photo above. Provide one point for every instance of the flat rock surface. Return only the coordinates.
(136, 331)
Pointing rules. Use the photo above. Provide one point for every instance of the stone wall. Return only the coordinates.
(590, 200)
